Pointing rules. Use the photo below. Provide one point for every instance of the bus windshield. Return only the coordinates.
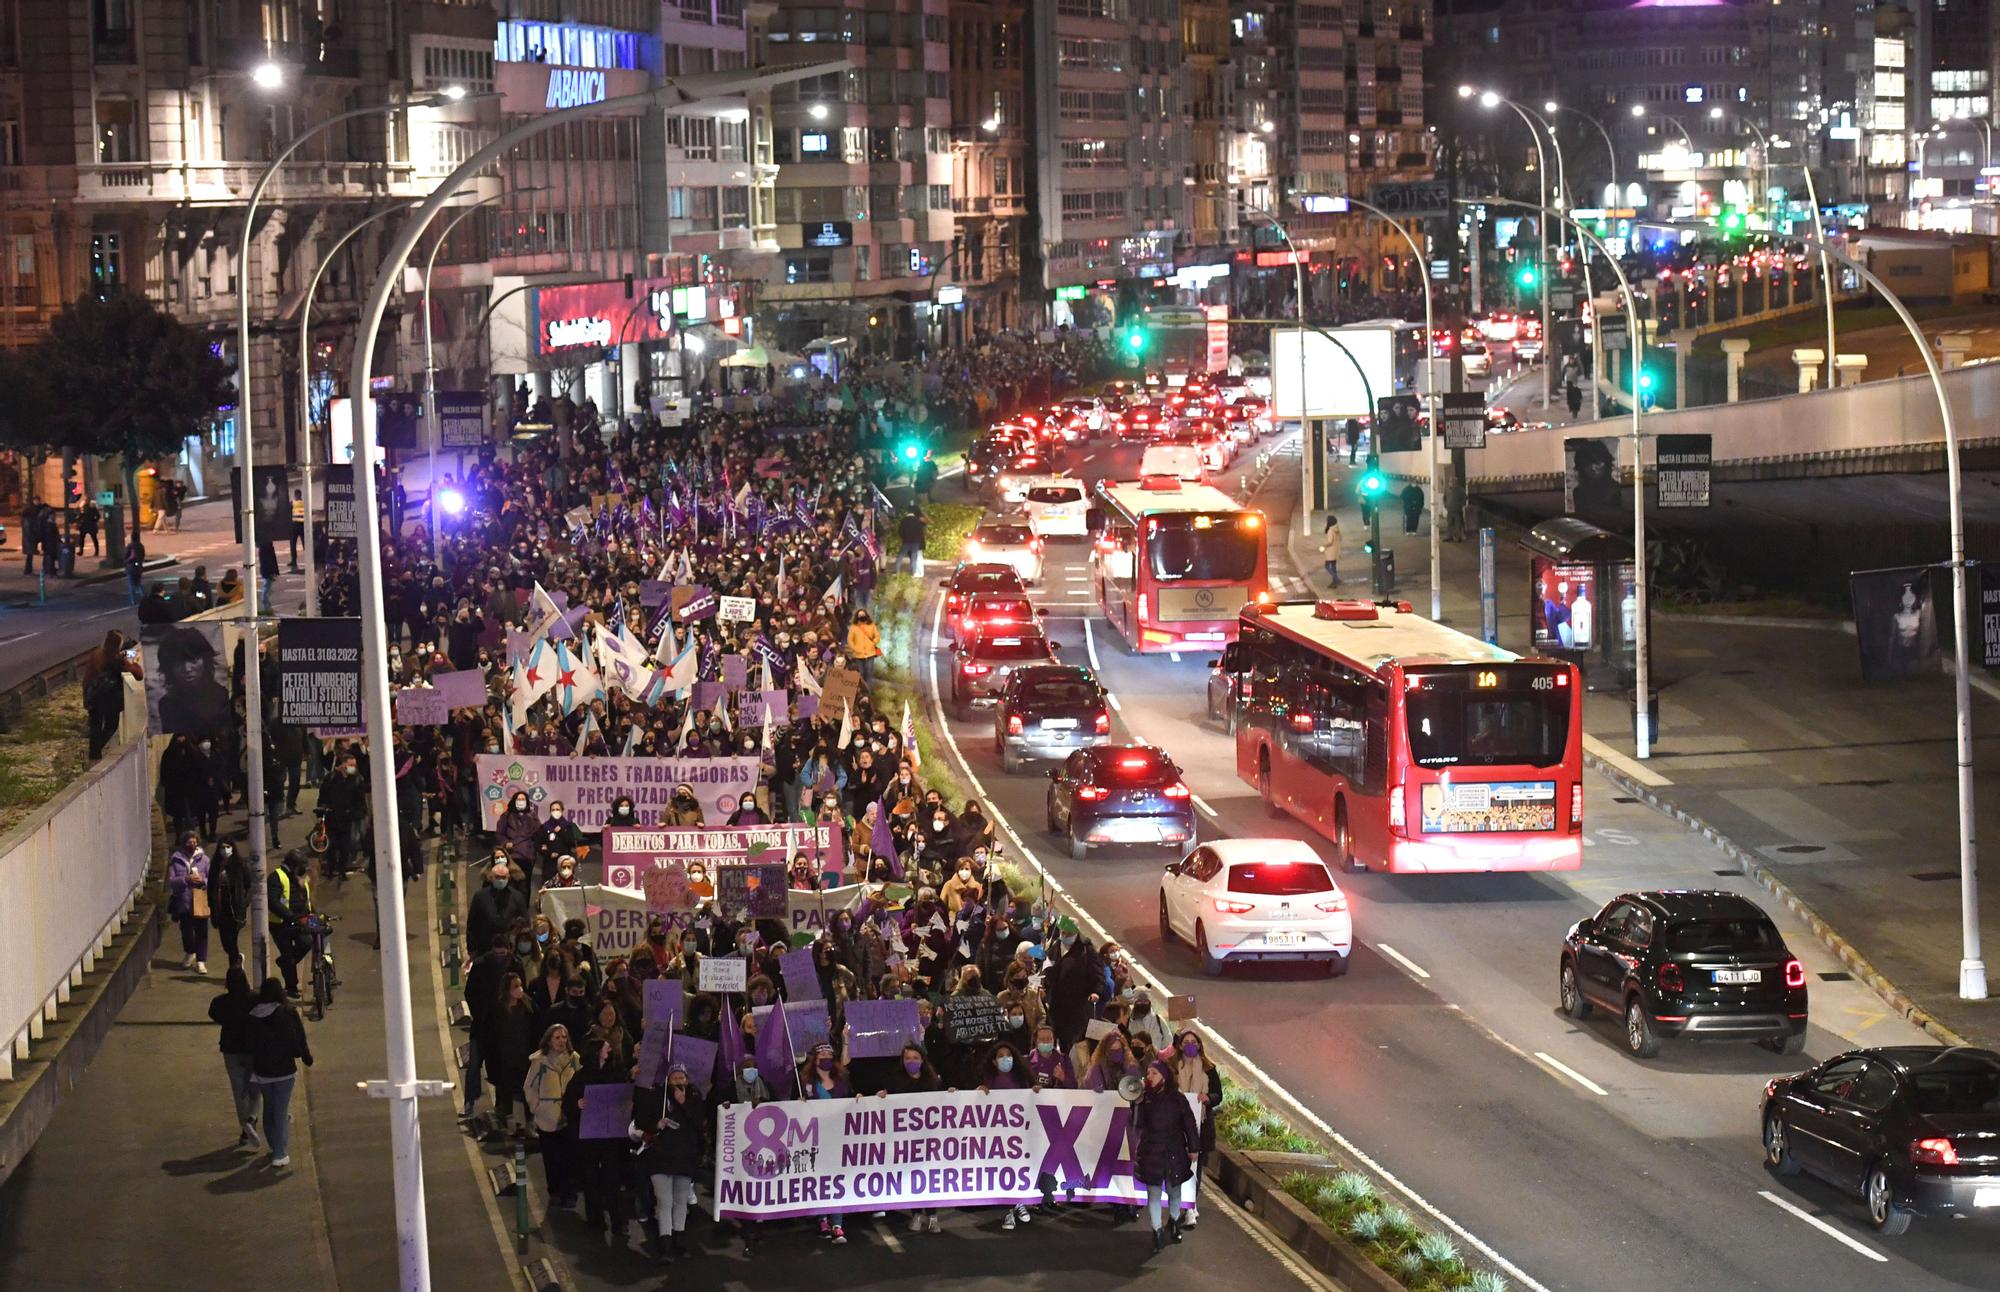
(1195, 546)
(1487, 718)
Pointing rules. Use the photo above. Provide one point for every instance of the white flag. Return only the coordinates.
(834, 591)
(802, 678)
(846, 725)
(910, 737)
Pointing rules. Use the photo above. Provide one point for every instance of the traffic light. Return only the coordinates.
(1528, 276)
(910, 451)
(1645, 380)
(1135, 340)
(1373, 483)
(1732, 220)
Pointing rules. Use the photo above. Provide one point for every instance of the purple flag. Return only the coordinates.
(776, 1061)
(883, 843)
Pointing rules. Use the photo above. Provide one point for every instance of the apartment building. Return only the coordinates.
(989, 175)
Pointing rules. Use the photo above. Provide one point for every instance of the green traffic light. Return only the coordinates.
(1135, 340)
(1732, 221)
(911, 450)
(1373, 483)
(1528, 276)
(1645, 380)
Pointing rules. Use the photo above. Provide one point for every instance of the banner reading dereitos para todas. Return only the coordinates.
(589, 786)
(948, 1149)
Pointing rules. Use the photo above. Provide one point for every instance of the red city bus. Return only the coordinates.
(1413, 747)
(1175, 562)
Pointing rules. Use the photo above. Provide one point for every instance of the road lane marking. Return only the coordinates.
(1116, 707)
(1572, 1074)
(1174, 655)
(1410, 966)
(106, 614)
(1243, 1061)
(1090, 645)
(1632, 767)
(1218, 1200)
(1822, 1226)
(1202, 803)
(889, 1239)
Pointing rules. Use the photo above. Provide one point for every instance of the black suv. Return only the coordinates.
(1700, 964)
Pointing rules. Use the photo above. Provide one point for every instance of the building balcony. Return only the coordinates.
(230, 182)
(972, 205)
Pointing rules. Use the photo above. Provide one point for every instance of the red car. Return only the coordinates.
(988, 611)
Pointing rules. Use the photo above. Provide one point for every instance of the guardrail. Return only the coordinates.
(47, 682)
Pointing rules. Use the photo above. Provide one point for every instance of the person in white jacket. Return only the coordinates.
(550, 1070)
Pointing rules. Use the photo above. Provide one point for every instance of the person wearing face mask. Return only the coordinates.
(746, 1085)
(747, 813)
(913, 1075)
(1074, 983)
(1022, 1006)
(1197, 1074)
(624, 815)
(1147, 1023)
(822, 1076)
(495, 907)
(511, 1043)
(1110, 1063)
(1166, 1146)
(1048, 1067)
(485, 978)
(668, 1124)
(343, 800)
(685, 808)
(557, 837)
(550, 1070)
(963, 886)
(518, 830)
(599, 1163)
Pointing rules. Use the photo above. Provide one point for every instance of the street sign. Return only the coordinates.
(1464, 418)
(461, 416)
(1611, 332)
(1683, 470)
(1412, 199)
(1562, 296)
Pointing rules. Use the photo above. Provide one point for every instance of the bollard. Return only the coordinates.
(43, 580)
(521, 1226)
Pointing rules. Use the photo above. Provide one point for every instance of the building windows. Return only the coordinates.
(111, 31)
(1103, 204)
(732, 139)
(10, 141)
(809, 269)
(570, 44)
(735, 208)
(107, 261)
(1091, 55)
(117, 131)
(1092, 154)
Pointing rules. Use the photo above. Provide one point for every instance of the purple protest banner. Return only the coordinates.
(750, 709)
(735, 672)
(607, 1112)
(879, 1029)
(654, 592)
(697, 1056)
(690, 604)
(465, 689)
(783, 1045)
(652, 1055)
(778, 704)
(806, 707)
(419, 706)
(800, 975)
(663, 1001)
(706, 695)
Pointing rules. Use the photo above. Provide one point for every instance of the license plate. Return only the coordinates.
(1986, 1198)
(1207, 637)
(1058, 724)
(1739, 975)
(1285, 939)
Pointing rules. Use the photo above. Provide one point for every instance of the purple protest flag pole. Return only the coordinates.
(882, 843)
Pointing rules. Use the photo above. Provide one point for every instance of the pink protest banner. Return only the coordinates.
(800, 975)
(465, 689)
(630, 854)
(589, 785)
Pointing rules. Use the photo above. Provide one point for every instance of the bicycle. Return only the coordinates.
(318, 926)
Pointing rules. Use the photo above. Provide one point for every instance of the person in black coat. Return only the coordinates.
(229, 897)
(494, 908)
(598, 1161)
(557, 837)
(1166, 1144)
(278, 1045)
(484, 978)
(511, 1035)
(231, 1012)
(1075, 983)
(668, 1122)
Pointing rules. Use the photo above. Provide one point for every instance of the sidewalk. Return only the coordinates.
(140, 1159)
(1838, 796)
(206, 537)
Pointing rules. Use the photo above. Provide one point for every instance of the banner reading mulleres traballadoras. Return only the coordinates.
(950, 1149)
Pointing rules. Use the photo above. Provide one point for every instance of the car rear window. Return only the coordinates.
(1024, 647)
(995, 581)
(1001, 533)
(1139, 768)
(1058, 691)
(1966, 1085)
(1747, 933)
(1279, 878)
(1051, 493)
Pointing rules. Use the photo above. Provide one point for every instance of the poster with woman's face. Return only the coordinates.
(1895, 622)
(187, 691)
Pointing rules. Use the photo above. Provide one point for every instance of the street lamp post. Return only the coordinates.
(430, 374)
(402, 1087)
(1687, 140)
(1972, 965)
(305, 394)
(1299, 304)
(1492, 99)
(267, 76)
(1610, 149)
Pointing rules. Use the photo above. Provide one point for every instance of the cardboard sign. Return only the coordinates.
(879, 1029)
(842, 688)
(977, 1017)
(465, 689)
(420, 706)
(722, 973)
(736, 610)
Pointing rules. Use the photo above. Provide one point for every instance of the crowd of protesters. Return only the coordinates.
(558, 543)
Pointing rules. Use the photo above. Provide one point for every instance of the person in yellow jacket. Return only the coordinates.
(864, 643)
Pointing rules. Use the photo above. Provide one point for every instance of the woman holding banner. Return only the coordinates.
(668, 1124)
(822, 1076)
(1166, 1145)
(915, 1076)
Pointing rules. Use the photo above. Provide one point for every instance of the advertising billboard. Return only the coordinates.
(1311, 377)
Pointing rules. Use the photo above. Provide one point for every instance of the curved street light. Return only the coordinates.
(1610, 149)
(1490, 99)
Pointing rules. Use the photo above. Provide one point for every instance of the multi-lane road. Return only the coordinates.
(1441, 1057)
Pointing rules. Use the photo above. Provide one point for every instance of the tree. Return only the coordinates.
(126, 378)
(24, 421)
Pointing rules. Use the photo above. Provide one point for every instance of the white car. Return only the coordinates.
(1056, 506)
(1478, 360)
(1182, 461)
(1257, 899)
(1006, 542)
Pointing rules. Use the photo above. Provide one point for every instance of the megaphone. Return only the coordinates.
(1130, 1088)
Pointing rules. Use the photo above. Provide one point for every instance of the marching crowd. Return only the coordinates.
(571, 548)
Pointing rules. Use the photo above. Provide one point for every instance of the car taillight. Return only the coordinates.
(1177, 790)
(1332, 905)
(1229, 907)
(1014, 727)
(951, 601)
(1092, 793)
(1576, 804)
(1142, 605)
(1035, 544)
(1670, 980)
(1933, 1152)
(1795, 974)
(1102, 724)
(1396, 807)
(971, 669)
(1302, 721)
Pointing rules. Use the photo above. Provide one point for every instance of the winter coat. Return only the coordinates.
(957, 890)
(229, 892)
(185, 873)
(277, 1042)
(1164, 1135)
(1197, 1079)
(492, 910)
(864, 641)
(511, 1034)
(1329, 544)
(1072, 976)
(548, 1081)
(517, 832)
(232, 1015)
(343, 798)
(675, 1147)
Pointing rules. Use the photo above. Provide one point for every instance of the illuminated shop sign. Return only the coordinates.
(572, 88)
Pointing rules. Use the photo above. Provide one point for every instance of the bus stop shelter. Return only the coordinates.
(1583, 600)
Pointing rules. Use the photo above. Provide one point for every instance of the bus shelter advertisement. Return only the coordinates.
(947, 1149)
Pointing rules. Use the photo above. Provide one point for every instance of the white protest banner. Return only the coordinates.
(722, 973)
(588, 786)
(949, 1149)
(616, 920)
(736, 609)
